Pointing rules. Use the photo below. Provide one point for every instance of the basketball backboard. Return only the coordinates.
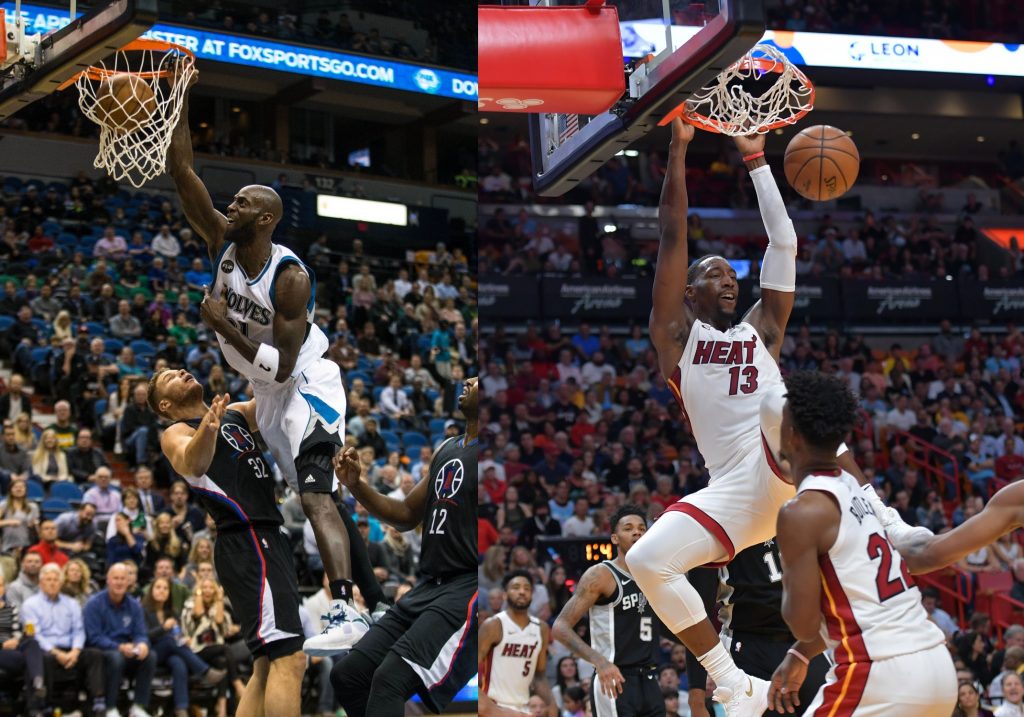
(37, 65)
(687, 43)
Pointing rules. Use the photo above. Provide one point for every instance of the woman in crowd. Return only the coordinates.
(126, 365)
(171, 649)
(567, 675)
(78, 582)
(968, 703)
(126, 543)
(131, 506)
(1007, 549)
(558, 591)
(216, 383)
(18, 517)
(207, 625)
(49, 461)
(202, 552)
(165, 541)
(24, 434)
(512, 512)
(62, 328)
(492, 570)
(111, 419)
(398, 553)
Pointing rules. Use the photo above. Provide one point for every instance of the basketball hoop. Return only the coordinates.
(134, 149)
(727, 107)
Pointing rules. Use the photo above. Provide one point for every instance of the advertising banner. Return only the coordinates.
(509, 297)
(596, 299)
(904, 301)
(996, 300)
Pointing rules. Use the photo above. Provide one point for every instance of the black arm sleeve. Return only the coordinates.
(705, 582)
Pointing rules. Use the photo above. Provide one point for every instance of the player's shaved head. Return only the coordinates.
(266, 200)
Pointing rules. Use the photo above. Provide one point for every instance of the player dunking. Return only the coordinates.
(512, 653)
(623, 633)
(261, 306)
(214, 449)
(424, 644)
(719, 372)
(845, 588)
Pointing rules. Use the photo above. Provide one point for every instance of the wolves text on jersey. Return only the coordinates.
(249, 309)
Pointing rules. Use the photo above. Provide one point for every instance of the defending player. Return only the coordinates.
(513, 652)
(623, 631)
(213, 448)
(845, 588)
(719, 373)
(261, 306)
(424, 644)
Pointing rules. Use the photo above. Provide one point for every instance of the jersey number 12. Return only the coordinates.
(437, 518)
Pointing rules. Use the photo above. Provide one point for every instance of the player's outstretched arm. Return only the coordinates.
(778, 269)
(805, 525)
(195, 199)
(670, 318)
(402, 514)
(597, 582)
(1004, 513)
(274, 363)
(189, 450)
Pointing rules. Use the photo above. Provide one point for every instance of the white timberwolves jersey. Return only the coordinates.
(251, 307)
(720, 380)
(513, 663)
(870, 606)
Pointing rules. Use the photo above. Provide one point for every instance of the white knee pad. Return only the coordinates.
(659, 561)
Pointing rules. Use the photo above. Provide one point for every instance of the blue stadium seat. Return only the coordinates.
(391, 439)
(432, 394)
(413, 454)
(377, 391)
(113, 346)
(144, 361)
(66, 491)
(34, 490)
(141, 346)
(437, 425)
(95, 328)
(100, 408)
(12, 185)
(413, 440)
(6, 322)
(43, 325)
(40, 355)
(356, 373)
(52, 507)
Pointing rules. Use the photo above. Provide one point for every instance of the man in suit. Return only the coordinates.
(84, 459)
(152, 502)
(15, 401)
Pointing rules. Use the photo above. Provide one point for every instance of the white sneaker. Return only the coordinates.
(112, 712)
(345, 627)
(750, 703)
(137, 711)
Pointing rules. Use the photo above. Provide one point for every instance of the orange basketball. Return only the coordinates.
(125, 102)
(822, 163)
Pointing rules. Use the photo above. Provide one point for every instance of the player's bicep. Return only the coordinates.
(174, 443)
(292, 291)
(490, 635)
(588, 591)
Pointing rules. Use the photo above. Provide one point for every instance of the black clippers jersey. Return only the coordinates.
(624, 627)
(753, 582)
(449, 521)
(238, 488)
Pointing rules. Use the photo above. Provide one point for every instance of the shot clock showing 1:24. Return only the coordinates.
(577, 554)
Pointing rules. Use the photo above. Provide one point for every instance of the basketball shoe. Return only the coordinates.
(751, 702)
(345, 627)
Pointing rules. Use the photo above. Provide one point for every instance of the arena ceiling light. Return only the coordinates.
(362, 210)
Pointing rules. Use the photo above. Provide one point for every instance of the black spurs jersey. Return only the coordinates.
(449, 522)
(623, 627)
(753, 580)
(238, 488)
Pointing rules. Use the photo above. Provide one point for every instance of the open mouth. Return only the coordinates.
(728, 296)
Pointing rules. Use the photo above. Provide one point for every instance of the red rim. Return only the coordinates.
(142, 44)
(765, 65)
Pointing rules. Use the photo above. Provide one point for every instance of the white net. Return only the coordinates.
(136, 128)
(738, 103)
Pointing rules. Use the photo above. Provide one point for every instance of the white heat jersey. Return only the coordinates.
(513, 663)
(719, 381)
(251, 307)
(871, 609)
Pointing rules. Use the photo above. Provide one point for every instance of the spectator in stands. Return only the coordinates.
(106, 498)
(166, 244)
(124, 325)
(18, 517)
(152, 502)
(579, 523)
(138, 427)
(1010, 465)
(164, 632)
(84, 459)
(127, 543)
(47, 547)
(930, 601)
(1013, 696)
(15, 401)
(115, 624)
(207, 625)
(60, 634)
(20, 653)
(1013, 658)
(76, 529)
(49, 461)
(186, 518)
(131, 506)
(63, 425)
(111, 245)
(15, 463)
(76, 581)
(45, 306)
(200, 553)
(27, 583)
(165, 543)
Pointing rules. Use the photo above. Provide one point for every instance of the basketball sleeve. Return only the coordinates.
(778, 269)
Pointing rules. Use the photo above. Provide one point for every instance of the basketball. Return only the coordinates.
(125, 102)
(822, 163)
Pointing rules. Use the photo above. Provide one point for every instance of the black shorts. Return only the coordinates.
(759, 658)
(258, 574)
(433, 628)
(641, 696)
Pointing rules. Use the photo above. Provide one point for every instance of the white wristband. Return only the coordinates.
(266, 362)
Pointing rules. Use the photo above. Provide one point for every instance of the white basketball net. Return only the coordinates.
(136, 149)
(726, 106)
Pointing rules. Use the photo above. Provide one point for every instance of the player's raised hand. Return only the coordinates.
(611, 679)
(749, 144)
(682, 132)
(213, 312)
(179, 66)
(218, 405)
(346, 467)
(784, 691)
